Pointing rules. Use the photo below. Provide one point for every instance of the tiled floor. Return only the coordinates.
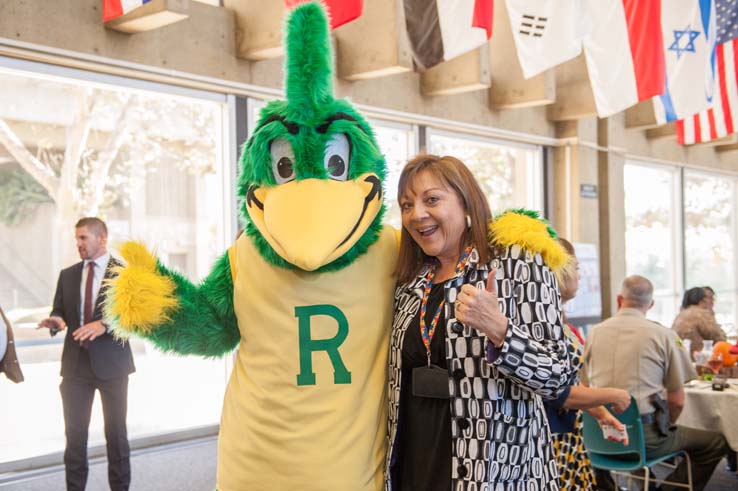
(190, 466)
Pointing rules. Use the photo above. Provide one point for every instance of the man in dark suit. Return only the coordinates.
(92, 359)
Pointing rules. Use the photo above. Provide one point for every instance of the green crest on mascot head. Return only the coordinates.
(312, 172)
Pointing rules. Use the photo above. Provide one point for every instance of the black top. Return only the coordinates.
(424, 433)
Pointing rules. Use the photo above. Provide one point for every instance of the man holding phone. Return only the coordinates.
(91, 359)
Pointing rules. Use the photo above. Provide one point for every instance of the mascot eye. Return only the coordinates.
(283, 159)
(336, 157)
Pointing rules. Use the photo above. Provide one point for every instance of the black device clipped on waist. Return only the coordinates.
(430, 381)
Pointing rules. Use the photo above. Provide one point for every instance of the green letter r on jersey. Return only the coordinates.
(308, 345)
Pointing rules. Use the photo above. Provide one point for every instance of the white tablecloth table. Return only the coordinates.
(707, 409)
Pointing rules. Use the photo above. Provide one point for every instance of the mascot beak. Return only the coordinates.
(313, 222)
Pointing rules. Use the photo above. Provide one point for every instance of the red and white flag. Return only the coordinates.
(624, 52)
(722, 118)
(340, 12)
(116, 8)
(440, 30)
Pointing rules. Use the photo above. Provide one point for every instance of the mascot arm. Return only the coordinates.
(151, 301)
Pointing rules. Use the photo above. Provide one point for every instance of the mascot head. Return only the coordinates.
(312, 172)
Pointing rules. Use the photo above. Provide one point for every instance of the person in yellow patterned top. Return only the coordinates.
(575, 472)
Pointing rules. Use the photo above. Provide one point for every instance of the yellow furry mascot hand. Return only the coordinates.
(141, 298)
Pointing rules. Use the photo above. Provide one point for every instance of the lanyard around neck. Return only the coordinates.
(425, 332)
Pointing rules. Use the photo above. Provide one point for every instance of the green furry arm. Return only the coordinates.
(151, 301)
(205, 323)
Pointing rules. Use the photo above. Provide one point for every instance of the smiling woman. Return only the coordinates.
(477, 338)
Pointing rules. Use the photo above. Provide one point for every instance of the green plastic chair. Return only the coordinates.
(621, 459)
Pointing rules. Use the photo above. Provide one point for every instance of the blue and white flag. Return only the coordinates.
(689, 47)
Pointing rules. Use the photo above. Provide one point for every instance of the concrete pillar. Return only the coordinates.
(575, 164)
(611, 211)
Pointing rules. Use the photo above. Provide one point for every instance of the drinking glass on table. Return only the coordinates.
(715, 362)
(701, 357)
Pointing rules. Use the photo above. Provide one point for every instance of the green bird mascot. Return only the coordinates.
(305, 293)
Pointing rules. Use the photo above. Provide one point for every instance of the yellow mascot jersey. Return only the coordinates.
(306, 404)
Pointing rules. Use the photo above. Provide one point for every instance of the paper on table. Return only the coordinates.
(698, 384)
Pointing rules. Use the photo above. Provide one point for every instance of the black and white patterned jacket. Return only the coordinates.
(500, 435)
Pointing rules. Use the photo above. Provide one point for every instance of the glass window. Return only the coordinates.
(710, 234)
(510, 175)
(151, 164)
(254, 111)
(652, 234)
(398, 143)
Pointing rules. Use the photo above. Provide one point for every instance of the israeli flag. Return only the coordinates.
(689, 48)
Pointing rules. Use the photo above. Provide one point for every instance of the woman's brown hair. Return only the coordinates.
(456, 176)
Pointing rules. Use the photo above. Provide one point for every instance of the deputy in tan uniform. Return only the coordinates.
(629, 352)
(8, 359)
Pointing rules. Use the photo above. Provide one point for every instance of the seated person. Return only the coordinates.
(696, 320)
(643, 357)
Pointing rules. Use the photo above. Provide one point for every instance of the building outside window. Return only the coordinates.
(398, 143)
(511, 175)
(710, 237)
(653, 234)
(676, 256)
(152, 165)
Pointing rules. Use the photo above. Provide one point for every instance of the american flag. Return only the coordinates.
(726, 20)
(722, 118)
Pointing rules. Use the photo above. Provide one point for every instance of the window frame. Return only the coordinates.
(733, 229)
(225, 152)
(678, 207)
(540, 181)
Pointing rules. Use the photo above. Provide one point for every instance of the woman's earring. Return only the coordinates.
(468, 221)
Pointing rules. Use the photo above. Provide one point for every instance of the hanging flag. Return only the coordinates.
(440, 30)
(727, 20)
(722, 118)
(340, 12)
(624, 52)
(116, 8)
(546, 32)
(689, 50)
